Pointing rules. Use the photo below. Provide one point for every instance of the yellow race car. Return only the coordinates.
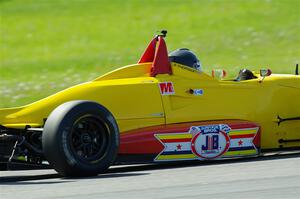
(164, 108)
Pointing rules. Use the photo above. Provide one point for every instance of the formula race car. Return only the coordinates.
(157, 110)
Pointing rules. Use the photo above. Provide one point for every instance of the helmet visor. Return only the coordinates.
(197, 65)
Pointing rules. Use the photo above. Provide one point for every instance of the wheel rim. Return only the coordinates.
(89, 139)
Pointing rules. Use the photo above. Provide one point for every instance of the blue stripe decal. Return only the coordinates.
(241, 148)
(176, 152)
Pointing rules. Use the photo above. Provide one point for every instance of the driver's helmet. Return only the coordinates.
(185, 57)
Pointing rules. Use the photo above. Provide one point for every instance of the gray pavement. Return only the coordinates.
(267, 177)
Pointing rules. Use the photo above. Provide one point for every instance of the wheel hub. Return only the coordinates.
(89, 138)
(86, 138)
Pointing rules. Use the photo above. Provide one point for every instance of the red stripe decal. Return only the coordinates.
(242, 136)
(176, 140)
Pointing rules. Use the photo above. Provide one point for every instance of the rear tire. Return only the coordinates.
(80, 138)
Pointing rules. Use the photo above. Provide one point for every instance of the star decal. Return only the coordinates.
(178, 147)
(240, 142)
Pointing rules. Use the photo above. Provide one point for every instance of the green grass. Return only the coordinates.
(46, 46)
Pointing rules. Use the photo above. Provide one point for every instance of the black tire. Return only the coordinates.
(80, 138)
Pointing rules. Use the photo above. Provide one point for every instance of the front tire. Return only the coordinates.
(80, 138)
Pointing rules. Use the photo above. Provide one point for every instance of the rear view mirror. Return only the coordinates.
(265, 72)
(218, 73)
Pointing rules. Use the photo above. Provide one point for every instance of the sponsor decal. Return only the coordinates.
(207, 142)
(198, 91)
(210, 141)
(166, 88)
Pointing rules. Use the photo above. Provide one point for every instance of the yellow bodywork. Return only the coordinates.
(134, 98)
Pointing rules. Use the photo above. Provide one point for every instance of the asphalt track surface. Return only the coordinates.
(263, 177)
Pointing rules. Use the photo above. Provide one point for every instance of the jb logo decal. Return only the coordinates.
(210, 141)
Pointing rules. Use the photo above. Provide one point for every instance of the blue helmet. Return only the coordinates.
(185, 57)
